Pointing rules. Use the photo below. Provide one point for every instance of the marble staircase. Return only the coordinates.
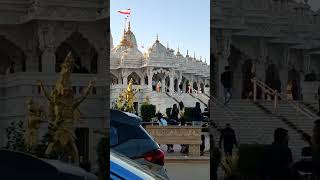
(253, 125)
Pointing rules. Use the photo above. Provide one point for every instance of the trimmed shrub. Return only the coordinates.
(148, 111)
(250, 160)
(188, 114)
(168, 111)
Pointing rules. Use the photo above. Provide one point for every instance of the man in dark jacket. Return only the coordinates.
(278, 158)
(228, 136)
(226, 80)
(197, 116)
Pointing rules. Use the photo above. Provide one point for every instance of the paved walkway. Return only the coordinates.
(182, 167)
(182, 171)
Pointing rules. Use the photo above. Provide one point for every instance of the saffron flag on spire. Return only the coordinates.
(126, 11)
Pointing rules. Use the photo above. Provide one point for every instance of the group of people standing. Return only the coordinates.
(177, 117)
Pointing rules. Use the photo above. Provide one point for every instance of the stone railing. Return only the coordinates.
(177, 135)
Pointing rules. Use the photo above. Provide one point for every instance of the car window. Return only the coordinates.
(126, 132)
(113, 136)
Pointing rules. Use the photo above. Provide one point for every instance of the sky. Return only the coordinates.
(179, 23)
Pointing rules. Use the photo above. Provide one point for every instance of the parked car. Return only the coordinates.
(16, 165)
(129, 138)
(123, 168)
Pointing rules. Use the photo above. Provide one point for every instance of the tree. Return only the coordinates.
(15, 137)
(103, 158)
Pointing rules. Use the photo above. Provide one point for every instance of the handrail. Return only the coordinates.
(277, 95)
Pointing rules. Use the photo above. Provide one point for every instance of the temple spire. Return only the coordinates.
(129, 26)
(157, 38)
(187, 53)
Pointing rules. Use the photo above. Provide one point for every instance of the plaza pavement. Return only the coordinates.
(181, 167)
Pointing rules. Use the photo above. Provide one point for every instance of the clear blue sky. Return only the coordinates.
(183, 23)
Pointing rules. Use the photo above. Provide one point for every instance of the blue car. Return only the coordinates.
(122, 168)
(130, 139)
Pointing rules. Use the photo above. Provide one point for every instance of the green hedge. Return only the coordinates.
(168, 111)
(188, 114)
(250, 160)
(148, 111)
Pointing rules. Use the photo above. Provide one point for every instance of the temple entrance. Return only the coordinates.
(247, 75)
(293, 85)
(202, 87)
(85, 55)
(157, 81)
(176, 86)
(12, 58)
(195, 86)
(273, 78)
(114, 79)
(167, 84)
(136, 78)
(187, 85)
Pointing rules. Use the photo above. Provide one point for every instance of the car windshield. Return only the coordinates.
(114, 156)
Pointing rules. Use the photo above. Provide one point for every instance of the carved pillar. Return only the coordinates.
(163, 85)
(124, 74)
(125, 80)
(171, 88)
(307, 61)
(150, 75)
(221, 47)
(171, 77)
(46, 44)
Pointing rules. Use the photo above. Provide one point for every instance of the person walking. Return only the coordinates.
(197, 116)
(228, 137)
(277, 162)
(226, 80)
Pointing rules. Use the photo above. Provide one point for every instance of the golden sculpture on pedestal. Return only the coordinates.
(64, 110)
(34, 117)
(128, 97)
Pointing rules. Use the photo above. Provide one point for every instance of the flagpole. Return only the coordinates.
(125, 23)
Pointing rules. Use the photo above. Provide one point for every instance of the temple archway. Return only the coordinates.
(114, 79)
(176, 85)
(293, 84)
(247, 75)
(146, 80)
(195, 86)
(167, 83)
(12, 57)
(187, 85)
(273, 78)
(136, 78)
(202, 87)
(86, 56)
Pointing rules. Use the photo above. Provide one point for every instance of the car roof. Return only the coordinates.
(125, 118)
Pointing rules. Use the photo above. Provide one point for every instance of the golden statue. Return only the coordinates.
(128, 96)
(64, 110)
(34, 117)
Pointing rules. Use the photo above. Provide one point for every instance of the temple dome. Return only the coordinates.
(157, 50)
